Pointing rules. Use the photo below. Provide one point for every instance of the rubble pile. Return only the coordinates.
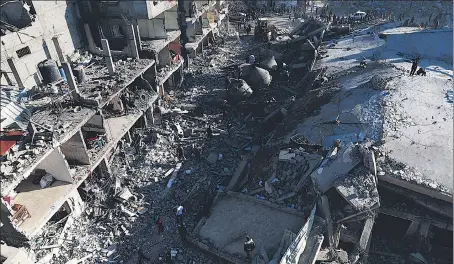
(222, 131)
(22, 154)
(100, 88)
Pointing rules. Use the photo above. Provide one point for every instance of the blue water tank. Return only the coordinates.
(62, 73)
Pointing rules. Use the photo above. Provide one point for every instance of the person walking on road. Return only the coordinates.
(249, 246)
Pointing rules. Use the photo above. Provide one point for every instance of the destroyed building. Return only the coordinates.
(99, 154)
(66, 109)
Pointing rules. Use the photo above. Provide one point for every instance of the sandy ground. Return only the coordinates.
(231, 218)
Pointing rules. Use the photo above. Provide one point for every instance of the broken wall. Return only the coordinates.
(54, 18)
(75, 203)
(95, 124)
(56, 165)
(164, 57)
(155, 8)
(171, 19)
(75, 150)
(152, 28)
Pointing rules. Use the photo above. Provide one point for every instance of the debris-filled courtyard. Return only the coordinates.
(298, 132)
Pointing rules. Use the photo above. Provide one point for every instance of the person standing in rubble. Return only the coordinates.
(180, 153)
(209, 132)
(141, 256)
(160, 225)
(169, 259)
(249, 246)
(197, 152)
(414, 66)
(179, 214)
(182, 231)
(248, 29)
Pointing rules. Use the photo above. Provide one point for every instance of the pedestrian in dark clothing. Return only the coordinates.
(160, 225)
(197, 152)
(180, 153)
(414, 66)
(248, 29)
(421, 72)
(142, 256)
(209, 132)
(169, 259)
(182, 231)
(249, 246)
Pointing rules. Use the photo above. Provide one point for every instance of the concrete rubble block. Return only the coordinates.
(174, 175)
(364, 239)
(295, 250)
(239, 89)
(240, 170)
(326, 255)
(286, 155)
(412, 229)
(328, 141)
(269, 63)
(286, 196)
(360, 191)
(314, 242)
(332, 169)
(259, 78)
(417, 258)
(212, 158)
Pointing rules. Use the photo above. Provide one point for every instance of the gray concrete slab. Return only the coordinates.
(232, 217)
(418, 132)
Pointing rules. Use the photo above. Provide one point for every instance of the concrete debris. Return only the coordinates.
(335, 166)
(197, 127)
(239, 89)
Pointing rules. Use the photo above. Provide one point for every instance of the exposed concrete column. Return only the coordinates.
(412, 229)
(13, 68)
(108, 56)
(149, 115)
(61, 57)
(138, 39)
(70, 79)
(75, 203)
(133, 50)
(104, 168)
(324, 205)
(128, 137)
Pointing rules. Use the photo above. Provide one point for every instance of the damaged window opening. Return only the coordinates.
(22, 52)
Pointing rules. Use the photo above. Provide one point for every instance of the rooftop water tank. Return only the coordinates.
(49, 71)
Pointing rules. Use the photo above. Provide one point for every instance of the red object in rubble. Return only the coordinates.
(6, 145)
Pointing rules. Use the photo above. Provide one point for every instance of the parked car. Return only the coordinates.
(359, 15)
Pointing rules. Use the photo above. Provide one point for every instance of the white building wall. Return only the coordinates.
(56, 165)
(54, 18)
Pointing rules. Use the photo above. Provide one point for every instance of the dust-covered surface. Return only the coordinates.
(232, 218)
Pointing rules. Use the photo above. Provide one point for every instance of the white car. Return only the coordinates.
(358, 15)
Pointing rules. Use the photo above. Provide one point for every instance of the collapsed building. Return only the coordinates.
(74, 107)
(325, 193)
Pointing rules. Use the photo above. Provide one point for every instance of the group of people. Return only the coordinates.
(414, 66)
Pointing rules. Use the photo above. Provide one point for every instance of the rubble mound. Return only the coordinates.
(269, 63)
(259, 78)
(378, 83)
(239, 89)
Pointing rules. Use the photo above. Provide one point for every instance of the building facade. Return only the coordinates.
(135, 56)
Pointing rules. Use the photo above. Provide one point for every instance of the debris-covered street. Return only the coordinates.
(300, 132)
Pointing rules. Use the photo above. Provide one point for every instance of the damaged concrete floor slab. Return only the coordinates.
(234, 216)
